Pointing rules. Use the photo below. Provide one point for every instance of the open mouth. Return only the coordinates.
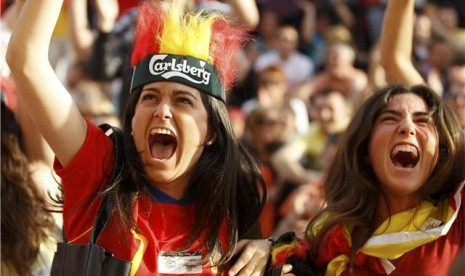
(405, 156)
(162, 144)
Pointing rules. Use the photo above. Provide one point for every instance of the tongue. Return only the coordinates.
(405, 159)
(162, 151)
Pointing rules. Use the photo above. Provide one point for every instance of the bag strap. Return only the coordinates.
(101, 219)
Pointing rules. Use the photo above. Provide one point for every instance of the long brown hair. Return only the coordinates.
(227, 186)
(352, 190)
(25, 221)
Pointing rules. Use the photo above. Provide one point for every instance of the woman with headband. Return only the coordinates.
(187, 192)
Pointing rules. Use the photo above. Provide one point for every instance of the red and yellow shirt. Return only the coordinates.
(163, 224)
(422, 241)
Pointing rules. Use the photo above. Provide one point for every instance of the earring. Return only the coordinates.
(209, 143)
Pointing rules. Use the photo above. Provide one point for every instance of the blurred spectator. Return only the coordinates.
(245, 87)
(61, 52)
(438, 60)
(94, 103)
(331, 112)
(29, 234)
(266, 129)
(297, 67)
(375, 71)
(266, 31)
(456, 90)
(298, 161)
(305, 201)
(38, 152)
(339, 74)
(272, 93)
(422, 36)
(319, 19)
(237, 118)
(446, 23)
(287, 12)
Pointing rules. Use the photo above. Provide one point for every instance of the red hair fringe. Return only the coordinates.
(225, 42)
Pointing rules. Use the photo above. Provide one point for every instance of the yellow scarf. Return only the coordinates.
(404, 232)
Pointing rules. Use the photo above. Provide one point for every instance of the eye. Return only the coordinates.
(184, 100)
(424, 121)
(387, 118)
(148, 97)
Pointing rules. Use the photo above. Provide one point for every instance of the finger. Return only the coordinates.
(256, 266)
(286, 269)
(256, 258)
(244, 258)
(240, 246)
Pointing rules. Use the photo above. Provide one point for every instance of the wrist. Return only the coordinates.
(106, 26)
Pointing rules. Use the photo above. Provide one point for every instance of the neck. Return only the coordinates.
(396, 205)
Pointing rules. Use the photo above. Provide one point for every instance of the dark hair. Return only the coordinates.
(351, 190)
(25, 221)
(227, 186)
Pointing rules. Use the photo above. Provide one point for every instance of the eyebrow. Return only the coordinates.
(176, 92)
(397, 113)
(186, 93)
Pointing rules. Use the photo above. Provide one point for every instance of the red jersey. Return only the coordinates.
(163, 223)
(422, 242)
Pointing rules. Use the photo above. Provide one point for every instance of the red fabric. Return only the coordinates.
(8, 88)
(432, 259)
(3, 6)
(297, 249)
(125, 5)
(267, 218)
(165, 226)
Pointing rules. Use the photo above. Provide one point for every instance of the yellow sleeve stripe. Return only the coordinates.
(137, 260)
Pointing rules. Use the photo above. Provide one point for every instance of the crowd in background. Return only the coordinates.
(308, 65)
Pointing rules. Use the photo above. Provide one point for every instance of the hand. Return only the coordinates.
(107, 12)
(286, 269)
(253, 259)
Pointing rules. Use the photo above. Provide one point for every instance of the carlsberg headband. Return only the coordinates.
(195, 49)
(187, 70)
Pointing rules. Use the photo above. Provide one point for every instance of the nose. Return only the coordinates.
(407, 127)
(325, 114)
(163, 111)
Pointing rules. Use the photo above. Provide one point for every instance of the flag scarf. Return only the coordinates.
(397, 235)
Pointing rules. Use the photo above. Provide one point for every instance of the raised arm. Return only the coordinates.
(307, 26)
(82, 35)
(396, 43)
(45, 98)
(246, 12)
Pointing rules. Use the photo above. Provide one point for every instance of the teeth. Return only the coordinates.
(405, 148)
(161, 131)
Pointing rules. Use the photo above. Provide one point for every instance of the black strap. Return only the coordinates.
(102, 215)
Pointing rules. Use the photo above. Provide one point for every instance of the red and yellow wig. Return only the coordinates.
(195, 37)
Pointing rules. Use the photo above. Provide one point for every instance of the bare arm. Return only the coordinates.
(307, 26)
(107, 13)
(396, 43)
(49, 104)
(286, 162)
(82, 35)
(246, 12)
(344, 13)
